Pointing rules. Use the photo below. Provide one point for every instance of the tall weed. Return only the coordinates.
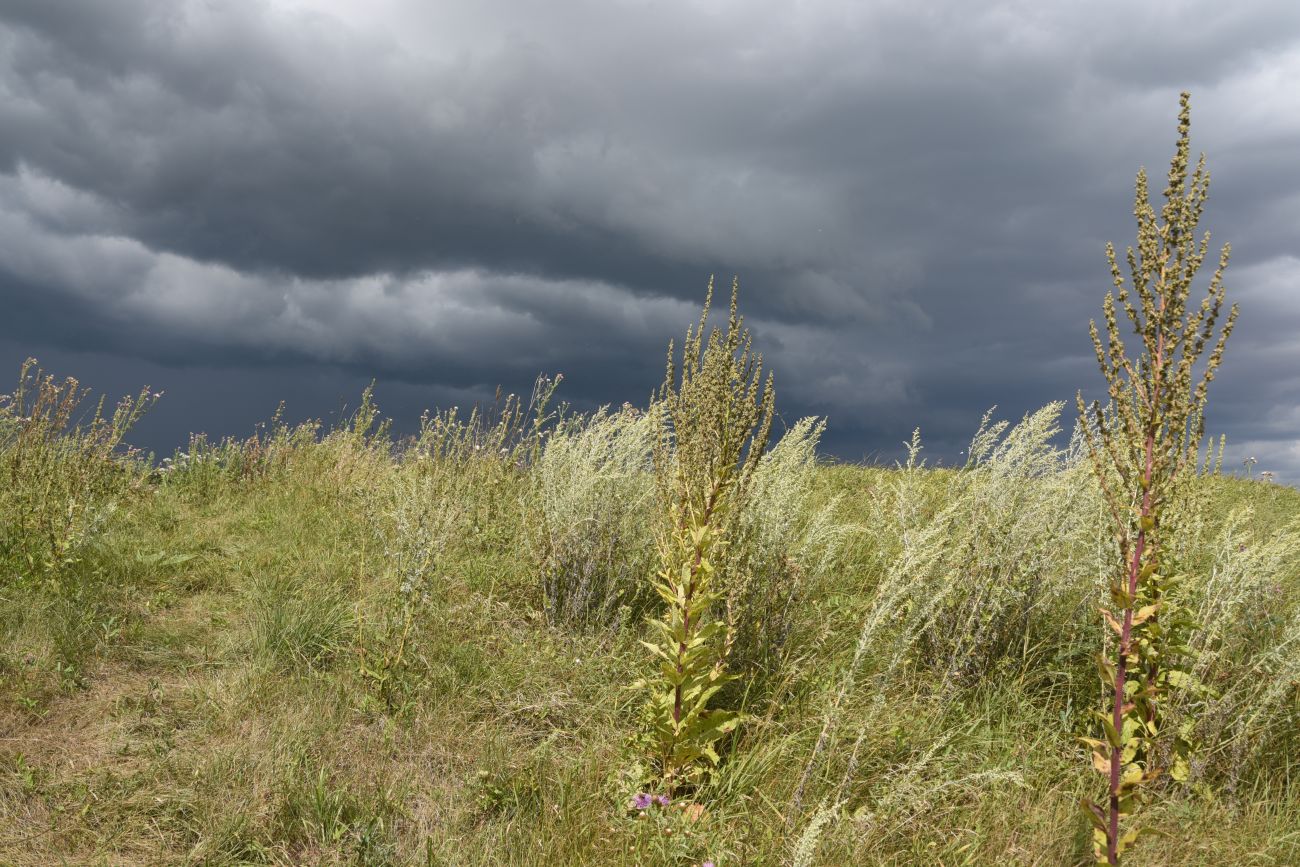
(63, 470)
(1144, 446)
(717, 416)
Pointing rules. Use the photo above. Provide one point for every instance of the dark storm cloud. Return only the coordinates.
(452, 195)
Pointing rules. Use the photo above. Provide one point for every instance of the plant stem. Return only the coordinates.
(1135, 569)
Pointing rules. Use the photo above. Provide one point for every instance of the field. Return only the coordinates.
(327, 647)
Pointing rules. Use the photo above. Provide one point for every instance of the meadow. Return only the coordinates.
(662, 635)
(331, 647)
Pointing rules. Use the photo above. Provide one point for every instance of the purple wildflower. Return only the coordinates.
(662, 800)
(641, 801)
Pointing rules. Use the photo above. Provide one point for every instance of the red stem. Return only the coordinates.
(1135, 566)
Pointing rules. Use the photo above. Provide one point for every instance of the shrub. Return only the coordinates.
(415, 512)
(595, 540)
(784, 543)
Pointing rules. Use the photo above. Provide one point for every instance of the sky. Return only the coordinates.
(246, 201)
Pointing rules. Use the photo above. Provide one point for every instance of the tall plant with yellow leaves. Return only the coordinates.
(716, 418)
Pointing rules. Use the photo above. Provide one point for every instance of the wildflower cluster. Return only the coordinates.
(644, 801)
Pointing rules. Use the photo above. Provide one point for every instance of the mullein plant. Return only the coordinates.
(716, 420)
(1140, 446)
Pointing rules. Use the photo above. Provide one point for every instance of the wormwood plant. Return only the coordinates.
(594, 541)
(717, 416)
(784, 545)
(1247, 649)
(965, 578)
(1139, 449)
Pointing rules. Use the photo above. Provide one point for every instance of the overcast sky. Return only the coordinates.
(243, 201)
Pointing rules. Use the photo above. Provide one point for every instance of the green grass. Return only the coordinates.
(189, 691)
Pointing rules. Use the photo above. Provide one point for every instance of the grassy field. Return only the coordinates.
(329, 648)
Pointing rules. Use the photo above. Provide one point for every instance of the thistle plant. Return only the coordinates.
(717, 415)
(1140, 446)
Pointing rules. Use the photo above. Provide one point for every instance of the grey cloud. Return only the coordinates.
(915, 196)
(393, 322)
